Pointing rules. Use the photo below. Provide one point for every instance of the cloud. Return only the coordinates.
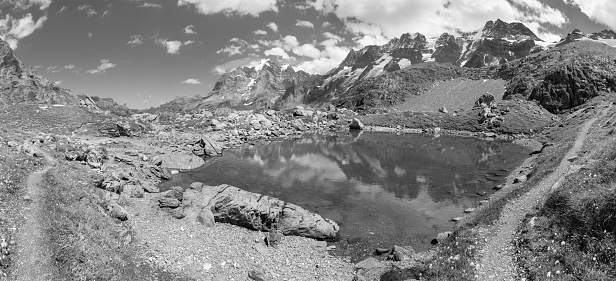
(59, 82)
(260, 32)
(27, 4)
(304, 23)
(88, 9)
(230, 7)
(150, 5)
(273, 26)
(277, 52)
(600, 11)
(173, 46)
(307, 50)
(135, 40)
(90, 34)
(237, 47)
(382, 20)
(191, 81)
(326, 24)
(189, 29)
(230, 65)
(70, 66)
(61, 10)
(12, 30)
(105, 64)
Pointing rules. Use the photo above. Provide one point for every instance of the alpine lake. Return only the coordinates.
(382, 189)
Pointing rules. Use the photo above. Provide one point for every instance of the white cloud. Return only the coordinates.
(330, 58)
(304, 23)
(326, 24)
(173, 46)
(105, 64)
(237, 47)
(89, 34)
(12, 29)
(59, 82)
(191, 81)
(27, 4)
(230, 7)
(70, 66)
(189, 29)
(273, 26)
(150, 5)
(373, 21)
(188, 42)
(307, 50)
(601, 11)
(260, 32)
(277, 52)
(88, 9)
(61, 10)
(135, 40)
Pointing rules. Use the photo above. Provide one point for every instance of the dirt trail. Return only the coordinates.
(496, 255)
(34, 256)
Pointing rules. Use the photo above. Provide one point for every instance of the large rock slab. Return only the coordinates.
(232, 205)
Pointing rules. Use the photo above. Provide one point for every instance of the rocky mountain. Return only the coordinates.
(496, 43)
(605, 36)
(22, 85)
(383, 76)
(261, 86)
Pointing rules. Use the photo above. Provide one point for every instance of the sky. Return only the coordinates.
(146, 52)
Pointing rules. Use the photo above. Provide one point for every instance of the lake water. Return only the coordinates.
(382, 189)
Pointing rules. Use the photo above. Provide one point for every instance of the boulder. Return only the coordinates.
(116, 211)
(197, 186)
(298, 125)
(258, 274)
(399, 253)
(356, 124)
(258, 212)
(160, 172)
(485, 100)
(443, 110)
(369, 264)
(206, 217)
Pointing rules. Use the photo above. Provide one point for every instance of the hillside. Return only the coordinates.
(22, 85)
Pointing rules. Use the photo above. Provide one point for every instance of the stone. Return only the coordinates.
(520, 179)
(499, 187)
(469, 210)
(176, 192)
(443, 110)
(178, 213)
(486, 99)
(273, 237)
(441, 237)
(382, 251)
(298, 125)
(399, 253)
(259, 212)
(116, 211)
(359, 277)
(168, 202)
(369, 264)
(258, 274)
(198, 186)
(206, 217)
(456, 219)
(356, 124)
(572, 158)
(161, 172)
(217, 125)
(150, 188)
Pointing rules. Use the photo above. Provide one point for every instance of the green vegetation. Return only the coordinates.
(572, 237)
(86, 243)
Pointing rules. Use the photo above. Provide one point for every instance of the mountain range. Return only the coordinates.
(558, 75)
(382, 76)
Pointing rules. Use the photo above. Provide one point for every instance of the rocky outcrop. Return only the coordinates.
(263, 213)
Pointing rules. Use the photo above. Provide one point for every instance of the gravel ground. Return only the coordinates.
(227, 252)
(497, 253)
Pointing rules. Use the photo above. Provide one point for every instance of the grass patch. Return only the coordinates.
(573, 236)
(86, 243)
(14, 170)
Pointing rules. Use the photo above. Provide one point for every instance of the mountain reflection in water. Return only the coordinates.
(382, 189)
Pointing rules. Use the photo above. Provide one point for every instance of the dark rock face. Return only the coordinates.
(562, 77)
(258, 212)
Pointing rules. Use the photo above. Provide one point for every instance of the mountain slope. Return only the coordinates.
(22, 85)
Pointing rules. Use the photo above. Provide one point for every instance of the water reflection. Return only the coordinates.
(382, 189)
